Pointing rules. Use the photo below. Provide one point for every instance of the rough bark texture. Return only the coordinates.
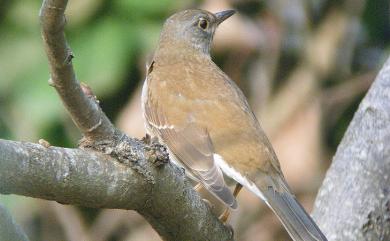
(83, 109)
(354, 200)
(9, 230)
(160, 194)
(115, 171)
(138, 181)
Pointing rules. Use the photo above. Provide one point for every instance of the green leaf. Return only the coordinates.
(140, 8)
(102, 53)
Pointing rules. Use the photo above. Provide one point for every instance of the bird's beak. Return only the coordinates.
(222, 16)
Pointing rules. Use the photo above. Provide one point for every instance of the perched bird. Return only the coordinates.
(205, 121)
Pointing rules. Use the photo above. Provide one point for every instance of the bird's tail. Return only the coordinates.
(293, 216)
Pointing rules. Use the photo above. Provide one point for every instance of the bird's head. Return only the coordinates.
(192, 29)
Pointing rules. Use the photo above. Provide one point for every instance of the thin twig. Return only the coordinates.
(102, 183)
(84, 110)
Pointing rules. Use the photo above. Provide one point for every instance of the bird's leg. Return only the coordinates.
(199, 188)
(225, 215)
(237, 189)
(147, 139)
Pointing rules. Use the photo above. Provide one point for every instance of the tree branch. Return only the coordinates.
(9, 230)
(131, 177)
(79, 177)
(161, 194)
(354, 200)
(84, 110)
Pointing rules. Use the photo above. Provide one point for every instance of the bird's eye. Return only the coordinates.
(203, 23)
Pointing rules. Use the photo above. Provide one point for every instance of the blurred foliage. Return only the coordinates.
(109, 39)
(107, 43)
(112, 41)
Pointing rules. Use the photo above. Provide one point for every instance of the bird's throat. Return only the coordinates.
(177, 51)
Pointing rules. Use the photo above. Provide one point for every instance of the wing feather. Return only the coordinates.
(192, 146)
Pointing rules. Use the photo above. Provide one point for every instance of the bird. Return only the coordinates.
(192, 107)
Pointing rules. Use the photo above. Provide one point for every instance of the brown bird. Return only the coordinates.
(205, 121)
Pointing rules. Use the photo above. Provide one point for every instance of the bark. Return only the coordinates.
(159, 191)
(354, 200)
(83, 109)
(115, 171)
(9, 230)
(161, 194)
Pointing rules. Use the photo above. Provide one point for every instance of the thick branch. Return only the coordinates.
(9, 230)
(354, 201)
(84, 110)
(73, 176)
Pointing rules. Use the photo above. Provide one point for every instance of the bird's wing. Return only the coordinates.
(191, 145)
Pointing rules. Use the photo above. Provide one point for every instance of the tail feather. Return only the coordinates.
(297, 222)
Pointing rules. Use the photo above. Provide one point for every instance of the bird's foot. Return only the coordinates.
(147, 139)
(224, 216)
